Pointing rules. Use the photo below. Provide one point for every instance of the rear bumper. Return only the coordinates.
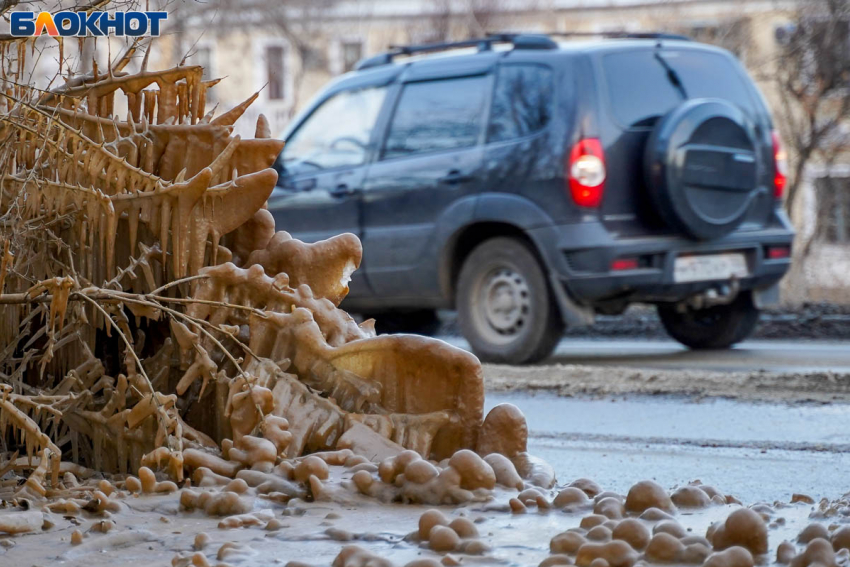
(580, 258)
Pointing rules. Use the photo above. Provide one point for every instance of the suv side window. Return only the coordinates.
(437, 115)
(337, 133)
(522, 102)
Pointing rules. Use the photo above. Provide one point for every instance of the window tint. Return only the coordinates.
(640, 90)
(437, 115)
(337, 133)
(522, 102)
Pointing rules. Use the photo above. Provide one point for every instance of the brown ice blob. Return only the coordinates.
(516, 506)
(804, 498)
(812, 531)
(558, 559)
(201, 541)
(566, 542)
(150, 484)
(253, 451)
(689, 539)
(529, 496)
(655, 515)
(464, 528)
(132, 484)
(311, 466)
(424, 562)
(420, 472)
(694, 553)
(818, 552)
(671, 527)
(391, 467)
(474, 471)
(633, 532)
(785, 552)
(743, 527)
(587, 486)
(504, 431)
(616, 553)
(690, 497)
(505, 471)
(443, 539)
(599, 533)
(428, 520)
(648, 494)
(592, 521)
(609, 507)
(841, 538)
(664, 548)
(735, 556)
(570, 496)
(363, 481)
(355, 556)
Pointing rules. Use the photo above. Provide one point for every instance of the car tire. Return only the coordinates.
(419, 322)
(717, 327)
(506, 309)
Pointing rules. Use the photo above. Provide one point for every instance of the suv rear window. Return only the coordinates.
(640, 91)
(437, 115)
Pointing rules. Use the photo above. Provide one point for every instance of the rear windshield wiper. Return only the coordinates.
(672, 76)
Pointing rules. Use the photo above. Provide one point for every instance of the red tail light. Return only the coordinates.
(778, 252)
(586, 171)
(625, 264)
(780, 166)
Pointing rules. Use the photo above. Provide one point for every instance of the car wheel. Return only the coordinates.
(720, 326)
(505, 307)
(419, 322)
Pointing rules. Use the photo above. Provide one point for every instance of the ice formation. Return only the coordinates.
(152, 317)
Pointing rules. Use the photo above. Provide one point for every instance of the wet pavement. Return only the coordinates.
(768, 355)
(755, 451)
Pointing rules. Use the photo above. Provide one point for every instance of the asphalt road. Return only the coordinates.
(771, 356)
(755, 451)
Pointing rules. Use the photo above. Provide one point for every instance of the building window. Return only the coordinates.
(203, 57)
(352, 52)
(833, 197)
(275, 71)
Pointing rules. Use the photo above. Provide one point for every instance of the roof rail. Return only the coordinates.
(519, 41)
(623, 35)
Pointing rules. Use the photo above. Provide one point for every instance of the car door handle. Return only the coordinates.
(454, 177)
(343, 190)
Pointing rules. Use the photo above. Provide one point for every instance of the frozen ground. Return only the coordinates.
(762, 422)
(767, 451)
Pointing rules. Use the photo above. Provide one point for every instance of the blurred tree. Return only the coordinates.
(461, 19)
(812, 85)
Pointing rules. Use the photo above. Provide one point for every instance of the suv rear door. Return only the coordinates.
(431, 157)
(322, 168)
(636, 92)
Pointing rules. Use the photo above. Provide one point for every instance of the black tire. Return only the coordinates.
(506, 309)
(717, 327)
(419, 322)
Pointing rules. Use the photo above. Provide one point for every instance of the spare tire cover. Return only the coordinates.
(701, 167)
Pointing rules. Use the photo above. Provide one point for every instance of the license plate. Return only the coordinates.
(709, 267)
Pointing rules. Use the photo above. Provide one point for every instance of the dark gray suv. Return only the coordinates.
(531, 184)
